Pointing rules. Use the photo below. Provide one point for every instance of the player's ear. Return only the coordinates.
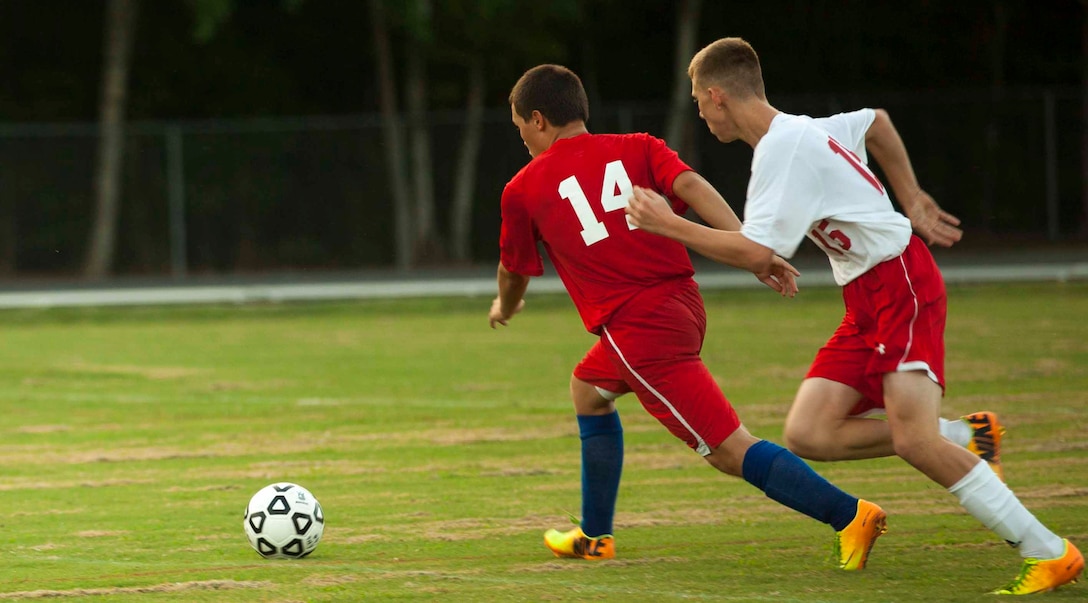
(538, 120)
(717, 96)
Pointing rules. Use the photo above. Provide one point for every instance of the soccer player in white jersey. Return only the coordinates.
(809, 178)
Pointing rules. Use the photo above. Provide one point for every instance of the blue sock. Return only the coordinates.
(785, 478)
(602, 463)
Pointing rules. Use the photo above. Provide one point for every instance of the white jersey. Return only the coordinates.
(809, 177)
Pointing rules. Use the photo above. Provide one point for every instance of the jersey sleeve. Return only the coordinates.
(665, 166)
(780, 207)
(849, 129)
(518, 250)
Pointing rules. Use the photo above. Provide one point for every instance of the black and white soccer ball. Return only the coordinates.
(284, 521)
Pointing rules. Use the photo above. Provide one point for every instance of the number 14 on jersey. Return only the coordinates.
(615, 192)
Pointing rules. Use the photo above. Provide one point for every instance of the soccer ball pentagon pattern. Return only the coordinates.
(284, 521)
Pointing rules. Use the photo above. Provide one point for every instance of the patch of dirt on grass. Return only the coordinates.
(472, 528)
(454, 437)
(363, 538)
(247, 386)
(1057, 445)
(321, 580)
(43, 428)
(147, 372)
(48, 512)
(209, 488)
(40, 485)
(517, 471)
(566, 565)
(172, 587)
(100, 533)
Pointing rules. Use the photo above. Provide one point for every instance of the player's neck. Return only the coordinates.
(576, 128)
(756, 122)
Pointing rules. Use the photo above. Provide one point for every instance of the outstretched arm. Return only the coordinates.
(651, 212)
(702, 197)
(932, 223)
(511, 296)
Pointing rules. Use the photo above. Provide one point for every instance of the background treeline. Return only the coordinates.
(174, 136)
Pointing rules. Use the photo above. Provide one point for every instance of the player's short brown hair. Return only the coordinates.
(555, 91)
(730, 63)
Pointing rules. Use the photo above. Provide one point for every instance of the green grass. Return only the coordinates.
(441, 450)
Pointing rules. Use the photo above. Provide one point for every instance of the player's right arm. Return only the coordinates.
(702, 197)
(511, 297)
(518, 250)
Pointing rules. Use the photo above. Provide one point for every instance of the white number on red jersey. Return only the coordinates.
(615, 192)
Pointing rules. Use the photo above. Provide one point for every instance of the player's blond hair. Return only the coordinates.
(732, 65)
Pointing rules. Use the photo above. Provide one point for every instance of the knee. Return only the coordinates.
(728, 457)
(588, 399)
(726, 462)
(804, 442)
(909, 449)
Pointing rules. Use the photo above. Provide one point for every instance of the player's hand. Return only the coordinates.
(496, 315)
(933, 224)
(648, 210)
(780, 276)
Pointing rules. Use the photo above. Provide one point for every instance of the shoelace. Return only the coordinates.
(1029, 564)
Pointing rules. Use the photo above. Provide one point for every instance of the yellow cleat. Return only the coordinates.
(986, 441)
(574, 543)
(1042, 575)
(853, 543)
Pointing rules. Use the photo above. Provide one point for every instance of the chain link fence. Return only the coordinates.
(295, 194)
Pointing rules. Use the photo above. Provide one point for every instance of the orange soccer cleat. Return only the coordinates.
(574, 543)
(853, 543)
(1042, 575)
(986, 441)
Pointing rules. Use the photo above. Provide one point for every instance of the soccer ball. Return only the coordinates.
(284, 521)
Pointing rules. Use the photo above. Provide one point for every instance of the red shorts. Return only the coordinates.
(651, 346)
(895, 317)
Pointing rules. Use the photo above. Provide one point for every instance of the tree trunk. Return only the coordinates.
(993, 129)
(9, 229)
(111, 138)
(428, 248)
(680, 108)
(393, 135)
(465, 183)
(1084, 122)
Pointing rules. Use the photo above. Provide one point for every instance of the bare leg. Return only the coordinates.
(587, 400)
(819, 428)
(913, 402)
(728, 457)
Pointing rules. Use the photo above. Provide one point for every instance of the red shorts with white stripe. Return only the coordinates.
(651, 347)
(895, 317)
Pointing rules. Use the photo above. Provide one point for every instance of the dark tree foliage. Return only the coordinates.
(276, 58)
(986, 92)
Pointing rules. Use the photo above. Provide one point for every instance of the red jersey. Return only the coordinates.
(571, 197)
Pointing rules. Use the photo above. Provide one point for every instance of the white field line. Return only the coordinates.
(465, 287)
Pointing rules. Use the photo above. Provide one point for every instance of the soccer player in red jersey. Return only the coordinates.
(636, 292)
(810, 178)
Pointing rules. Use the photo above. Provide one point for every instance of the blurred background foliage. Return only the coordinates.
(265, 135)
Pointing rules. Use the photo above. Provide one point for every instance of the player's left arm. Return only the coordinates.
(651, 212)
(702, 197)
(511, 297)
(935, 225)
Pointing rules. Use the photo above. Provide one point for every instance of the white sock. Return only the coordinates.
(990, 501)
(957, 430)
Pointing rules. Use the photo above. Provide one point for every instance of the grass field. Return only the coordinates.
(440, 451)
